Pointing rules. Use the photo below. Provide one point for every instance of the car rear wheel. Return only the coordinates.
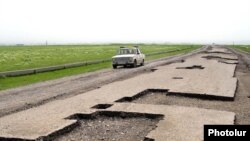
(142, 63)
(114, 66)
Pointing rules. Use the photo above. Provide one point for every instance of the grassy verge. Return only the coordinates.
(11, 82)
(245, 48)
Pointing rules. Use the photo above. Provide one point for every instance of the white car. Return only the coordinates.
(128, 56)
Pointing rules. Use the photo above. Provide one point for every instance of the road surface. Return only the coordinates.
(172, 97)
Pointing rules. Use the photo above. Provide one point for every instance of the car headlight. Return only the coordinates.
(130, 59)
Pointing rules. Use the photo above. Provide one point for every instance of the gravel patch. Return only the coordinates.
(111, 129)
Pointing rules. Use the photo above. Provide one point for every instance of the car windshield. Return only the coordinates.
(126, 51)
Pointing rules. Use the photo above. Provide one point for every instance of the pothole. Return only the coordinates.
(217, 52)
(102, 106)
(141, 94)
(225, 62)
(176, 61)
(177, 77)
(217, 57)
(112, 126)
(222, 59)
(180, 61)
(153, 70)
(163, 97)
(191, 67)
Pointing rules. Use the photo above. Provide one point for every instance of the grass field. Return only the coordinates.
(27, 57)
(51, 53)
(245, 48)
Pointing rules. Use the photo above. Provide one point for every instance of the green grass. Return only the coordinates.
(245, 48)
(11, 82)
(27, 57)
(171, 53)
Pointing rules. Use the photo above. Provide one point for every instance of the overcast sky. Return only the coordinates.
(105, 21)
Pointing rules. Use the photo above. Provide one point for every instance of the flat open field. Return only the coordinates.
(26, 57)
(245, 48)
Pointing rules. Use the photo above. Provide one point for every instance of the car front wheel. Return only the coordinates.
(135, 64)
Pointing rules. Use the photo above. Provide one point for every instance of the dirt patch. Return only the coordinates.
(112, 127)
(244, 61)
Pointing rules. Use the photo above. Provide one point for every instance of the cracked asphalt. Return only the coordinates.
(196, 83)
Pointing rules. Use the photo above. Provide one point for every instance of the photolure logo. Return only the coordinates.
(227, 132)
(215, 132)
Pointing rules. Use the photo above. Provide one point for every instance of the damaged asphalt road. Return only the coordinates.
(22, 98)
(190, 87)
